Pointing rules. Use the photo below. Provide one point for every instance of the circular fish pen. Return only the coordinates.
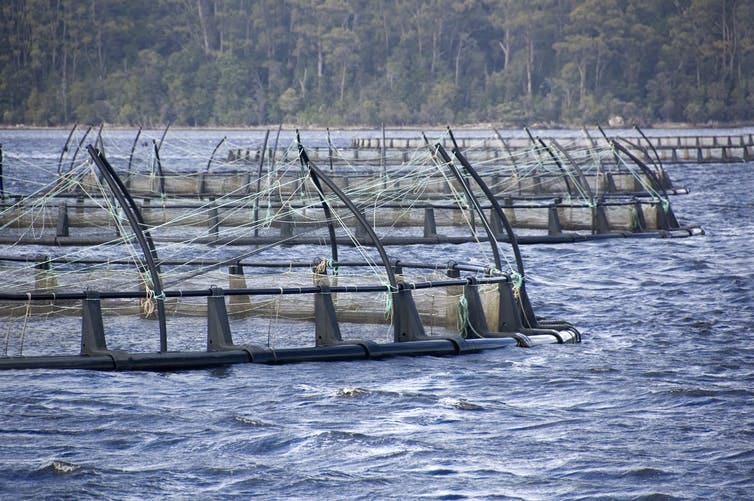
(149, 297)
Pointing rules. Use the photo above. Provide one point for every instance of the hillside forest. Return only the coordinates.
(206, 63)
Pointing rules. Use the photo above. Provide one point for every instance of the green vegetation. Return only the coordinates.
(359, 62)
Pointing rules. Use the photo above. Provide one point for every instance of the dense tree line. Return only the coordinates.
(341, 62)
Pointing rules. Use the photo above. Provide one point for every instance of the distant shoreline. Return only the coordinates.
(465, 127)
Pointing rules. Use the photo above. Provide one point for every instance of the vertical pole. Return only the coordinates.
(2, 189)
(383, 163)
(214, 219)
(65, 148)
(259, 184)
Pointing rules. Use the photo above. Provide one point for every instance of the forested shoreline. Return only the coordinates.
(236, 63)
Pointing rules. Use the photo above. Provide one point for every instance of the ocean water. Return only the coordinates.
(657, 402)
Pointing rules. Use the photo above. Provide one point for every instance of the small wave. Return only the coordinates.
(251, 421)
(602, 370)
(460, 403)
(708, 392)
(441, 472)
(655, 496)
(354, 392)
(61, 467)
(645, 473)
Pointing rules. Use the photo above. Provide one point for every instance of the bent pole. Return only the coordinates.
(658, 164)
(65, 148)
(317, 176)
(212, 156)
(307, 164)
(557, 161)
(259, 183)
(539, 143)
(528, 311)
(136, 221)
(133, 148)
(654, 181)
(474, 202)
(78, 148)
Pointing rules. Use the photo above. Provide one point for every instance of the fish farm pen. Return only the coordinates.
(276, 254)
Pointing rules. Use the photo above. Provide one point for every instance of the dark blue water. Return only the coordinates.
(657, 402)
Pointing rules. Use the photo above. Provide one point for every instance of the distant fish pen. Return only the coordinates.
(554, 191)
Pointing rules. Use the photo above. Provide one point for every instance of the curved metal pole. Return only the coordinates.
(133, 148)
(474, 202)
(658, 164)
(307, 164)
(164, 133)
(275, 147)
(644, 167)
(99, 142)
(318, 175)
(539, 140)
(65, 147)
(528, 311)
(329, 149)
(136, 221)
(202, 186)
(212, 156)
(657, 185)
(600, 167)
(75, 153)
(259, 183)
(160, 175)
(583, 182)
(510, 155)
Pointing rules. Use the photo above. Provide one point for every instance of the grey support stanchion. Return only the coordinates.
(553, 221)
(430, 226)
(326, 327)
(62, 228)
(219, 336)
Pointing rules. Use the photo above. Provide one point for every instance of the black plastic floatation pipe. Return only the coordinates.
(120, 360)
(136, 221)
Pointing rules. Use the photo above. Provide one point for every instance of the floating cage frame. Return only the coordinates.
(515, 323)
